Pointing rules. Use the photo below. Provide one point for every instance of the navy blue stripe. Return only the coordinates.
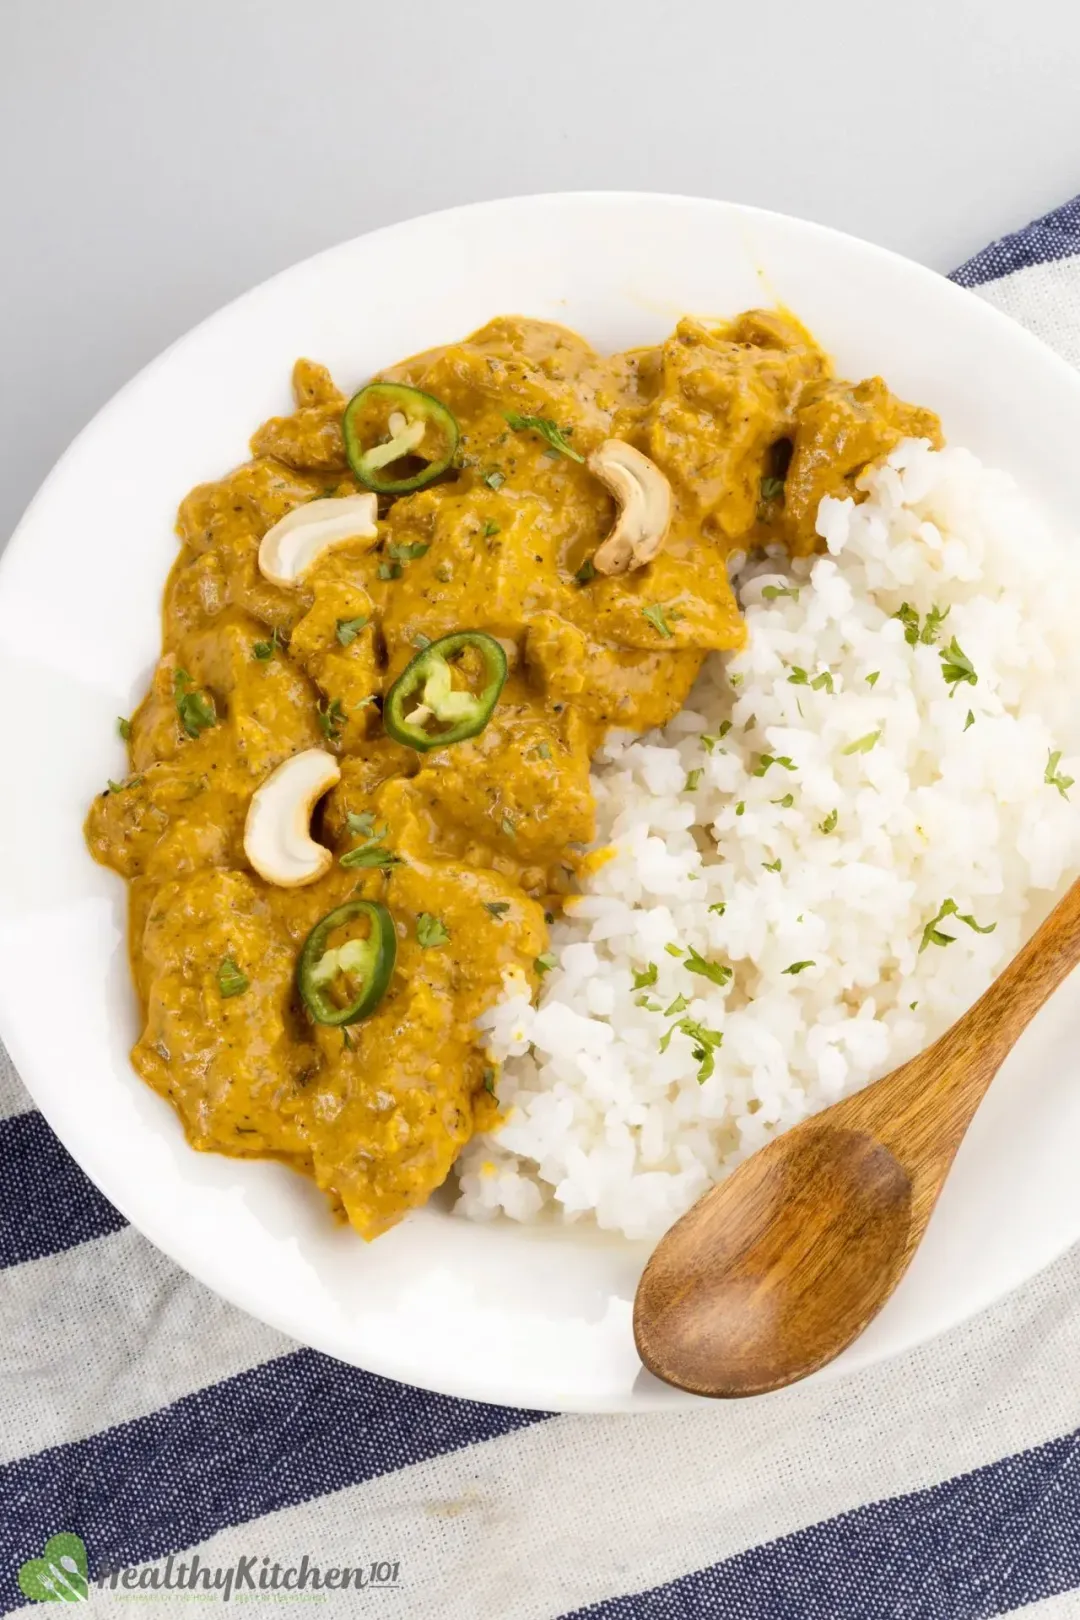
(46, 1203)
(1055, 236)
(982, 1544)
(290, 1430)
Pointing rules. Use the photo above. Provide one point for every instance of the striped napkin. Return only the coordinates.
(199, 1456)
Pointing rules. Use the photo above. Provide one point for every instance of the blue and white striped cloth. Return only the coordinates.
(144, 1414)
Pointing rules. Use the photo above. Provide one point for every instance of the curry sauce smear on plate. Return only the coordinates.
(323, 1012)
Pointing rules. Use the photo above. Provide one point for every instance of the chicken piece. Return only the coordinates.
(724, 398)
(608, 686)
(837, 433)
(236, 1081)
(388, 1119)
(335, 642)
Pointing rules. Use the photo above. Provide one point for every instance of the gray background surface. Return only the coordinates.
(157, 157)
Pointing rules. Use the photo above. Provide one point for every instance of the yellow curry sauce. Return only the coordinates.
(751, 430)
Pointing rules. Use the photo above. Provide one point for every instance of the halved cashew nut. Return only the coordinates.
(277, 833)
(644, 499)
(297, 542)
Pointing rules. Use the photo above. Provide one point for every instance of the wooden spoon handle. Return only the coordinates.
(921, 1111)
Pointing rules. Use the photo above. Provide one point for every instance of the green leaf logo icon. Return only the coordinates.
(59, 1575)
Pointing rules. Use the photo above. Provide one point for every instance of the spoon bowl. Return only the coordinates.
(779, 1268)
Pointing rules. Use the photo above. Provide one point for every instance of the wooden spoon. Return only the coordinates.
(781, 1266)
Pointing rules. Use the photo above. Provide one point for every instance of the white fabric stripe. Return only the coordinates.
(1066, 1606)
(581, 1508)
(14, 1097)
(109, 1331)
(1044, 298)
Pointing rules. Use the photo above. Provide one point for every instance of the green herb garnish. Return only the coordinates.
(970, 721)
(548, 430)
(718, 972)
(873, 678)
(349, 629)
(196, 711)
(1053, 777)
(771, 488)
(956, 667)
(390, 570)
(123, 727)
(495, 479)
(490, 529)
(544, 964)
(586, 572)
(765, 761)
(863, 745)
(655, 615)
(772, 866)
(693, 779)
(646, 977)
(431, 931)
(797, 967)
(331, 719)
(230, 980)
(679, 1005)
(771, 592)
(829, 824)
(408, 552)
(498, 908)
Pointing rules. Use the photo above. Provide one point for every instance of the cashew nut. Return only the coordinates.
(295, 543)
(277, 833)
(644, 499)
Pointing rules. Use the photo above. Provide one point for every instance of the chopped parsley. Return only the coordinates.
(489, 1081)
(873, 678)
(495, 479)
(765, 761)
(735, 680)
(490, 529)
(822, 681)
(655, 615)
(371, 853)
(740, 808)
(586, 572)
(331, 719)
(771, 592)
(363, 823)
(646, 977)
(196, 711)
(389, 570)
(718, 972)
(719, 907)
(498, 908)
(693, 779)
(772, 866)
(408, 552)
(548, 430)
(123, 727)
(230, 980)
(709, 742)
(933, 935)
(786, 802)
(349, 629)
(674, 950)
(927, 632)
(829, 824)
(1053, 777)
(431, 930)
(771, 488)
(705, 1043)
(679, 1005)
(544, 964)
(957, 667)
(797, 967)
(122, 787)
(863, 745)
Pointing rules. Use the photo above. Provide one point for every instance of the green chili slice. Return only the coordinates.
(424, 694)
(361, 966)
(385, 423)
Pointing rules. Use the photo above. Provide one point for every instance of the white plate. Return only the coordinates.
(496, 1312)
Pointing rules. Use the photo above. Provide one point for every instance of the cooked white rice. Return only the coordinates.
(892, 791)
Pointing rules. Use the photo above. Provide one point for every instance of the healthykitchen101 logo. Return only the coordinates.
(61, 1575)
